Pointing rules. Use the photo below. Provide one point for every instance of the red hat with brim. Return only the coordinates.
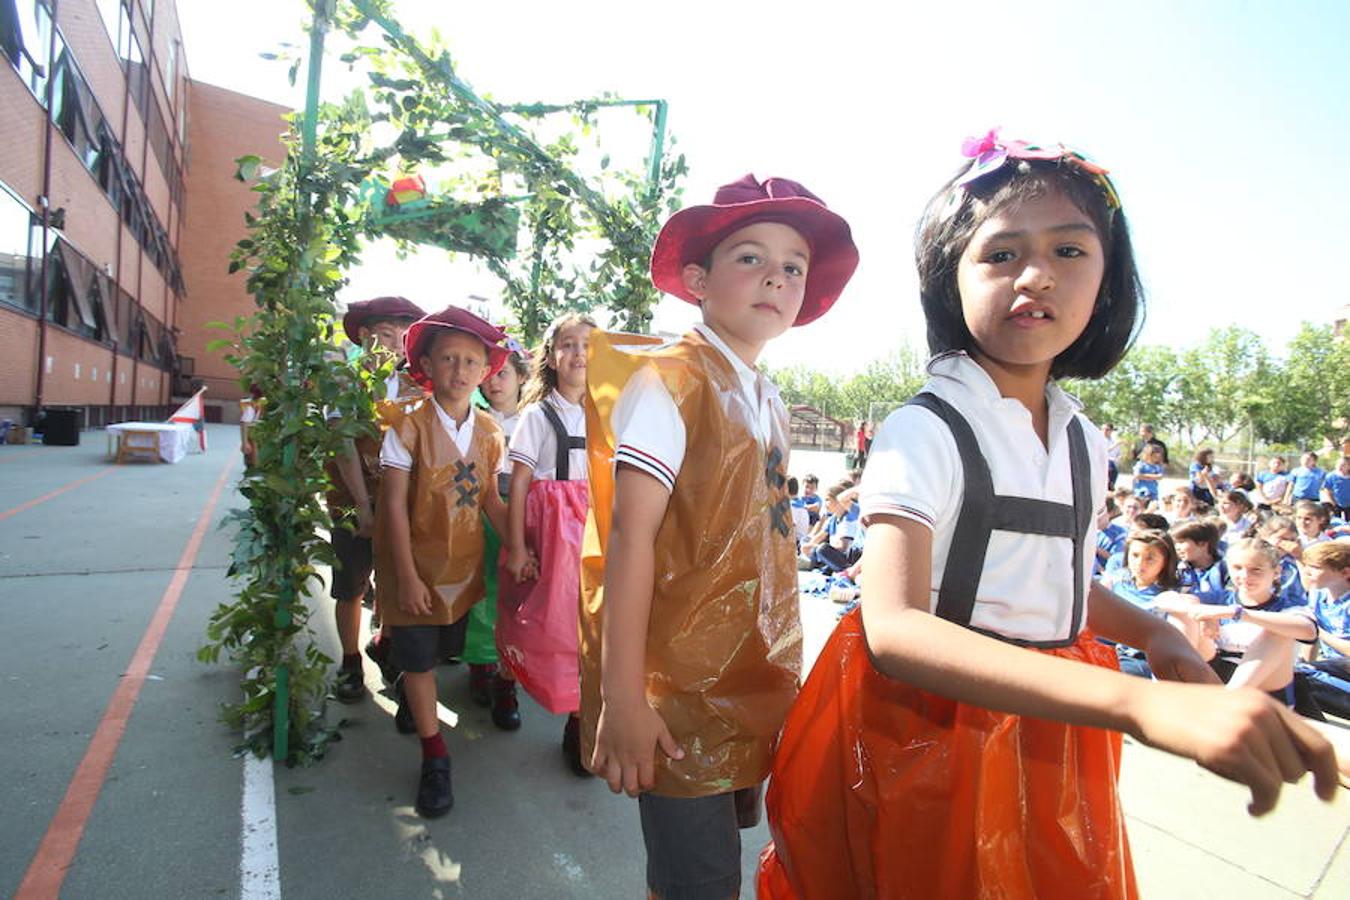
(416, 341)
(691, 234)
(362, 311)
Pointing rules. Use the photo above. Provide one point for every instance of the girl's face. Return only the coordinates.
(568, 358)
(1146, 563)
(1029, 280)
(1228, 509)
(1183, 503)
(1191, 552)
(1130, 508)
(503, 389)
(1309, 524)
(1253, 576)
(1276, 464)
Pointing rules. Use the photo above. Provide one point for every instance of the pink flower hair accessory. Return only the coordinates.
(990, 151)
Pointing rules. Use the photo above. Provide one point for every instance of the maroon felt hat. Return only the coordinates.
(456, 319)
(692, 233)
(362, 311)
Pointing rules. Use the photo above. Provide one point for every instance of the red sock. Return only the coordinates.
(434, 747)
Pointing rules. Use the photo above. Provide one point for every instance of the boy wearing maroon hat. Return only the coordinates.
(440, 461)
(375, 325)
(691, 642)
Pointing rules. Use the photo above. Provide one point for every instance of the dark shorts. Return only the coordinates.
(351, 576)
(694, 843)
(420, 648)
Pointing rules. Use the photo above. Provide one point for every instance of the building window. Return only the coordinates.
(75, 112)
(20, 253)
(74, 295)
(25, 40)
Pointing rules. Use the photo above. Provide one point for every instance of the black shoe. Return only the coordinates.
(505, 708)
(480, 683)
(571, 747)
(434, 796)
(351, 686)
(403, 719)
(378, 653)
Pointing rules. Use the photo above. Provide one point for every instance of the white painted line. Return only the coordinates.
(259, 869)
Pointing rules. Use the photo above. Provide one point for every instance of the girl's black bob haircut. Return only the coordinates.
(956, 212)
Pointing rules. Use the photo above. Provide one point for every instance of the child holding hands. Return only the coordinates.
(440, 460)
(691, 641)
(958, 735)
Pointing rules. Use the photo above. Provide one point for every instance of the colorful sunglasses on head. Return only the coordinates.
(990, 152)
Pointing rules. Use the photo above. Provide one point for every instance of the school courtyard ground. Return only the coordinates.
(119, 780)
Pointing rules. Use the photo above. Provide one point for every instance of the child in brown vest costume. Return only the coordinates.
(377, 325)
(440, 461)
(691, 641)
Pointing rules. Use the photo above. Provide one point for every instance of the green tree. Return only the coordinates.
(1217, 380)
(1313, 400)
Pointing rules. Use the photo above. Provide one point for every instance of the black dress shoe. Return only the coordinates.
(571, 747)
(434, 796)
(403, 719)
(505, 707)
(350, 687)
(378, 652)
(480, 683)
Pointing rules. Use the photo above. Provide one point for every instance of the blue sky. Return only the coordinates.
(1224, 125)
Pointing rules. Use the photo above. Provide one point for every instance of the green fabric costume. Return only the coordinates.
(480, 638)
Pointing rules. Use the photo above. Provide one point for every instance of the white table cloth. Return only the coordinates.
(176, 439)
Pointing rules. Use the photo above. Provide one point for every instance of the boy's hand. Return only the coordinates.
(413, 596)
(1172, 658)
(365, 521)
(1242, 735)
(626, 739)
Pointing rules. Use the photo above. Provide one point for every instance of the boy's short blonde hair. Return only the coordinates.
(1333, 555)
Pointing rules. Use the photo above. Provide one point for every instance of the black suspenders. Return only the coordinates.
(565, 441)
(983, 512)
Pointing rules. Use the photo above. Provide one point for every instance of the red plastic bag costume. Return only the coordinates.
(882, 790)
(537, 620)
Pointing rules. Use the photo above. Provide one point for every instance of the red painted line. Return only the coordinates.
(56, 493)
(47, 871)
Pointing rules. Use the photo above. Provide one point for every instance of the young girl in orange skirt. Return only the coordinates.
(959, 735)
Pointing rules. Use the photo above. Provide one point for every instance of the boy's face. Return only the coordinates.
(1314, 576)
(809, 489)
(1309, 460)
(1131, 508)
(756, 285)
(456, 363)
(388, 334)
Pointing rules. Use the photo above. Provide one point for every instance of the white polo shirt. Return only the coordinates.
(535, 444)
(914, 471)
(393, 455)
(649, 433)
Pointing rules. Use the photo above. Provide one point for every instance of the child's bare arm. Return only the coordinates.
(1170, 655)
(495, 510)
(1335, 642)
(349, 470)
(518, 561)
(629, 730)
(413, 596)
(1289, 625)
(1242, 735)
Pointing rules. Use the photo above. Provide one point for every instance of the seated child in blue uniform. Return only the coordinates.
(1259, 624)
(1201, 570)
(1281, 533)
(1312, 520)
(1110, 536)
(1326, 574)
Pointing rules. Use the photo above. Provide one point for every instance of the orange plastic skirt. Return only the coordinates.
(882, 790)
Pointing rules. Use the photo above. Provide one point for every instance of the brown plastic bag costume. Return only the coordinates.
(368, 448)
(445, 505)
(882, 790)
(724, 639)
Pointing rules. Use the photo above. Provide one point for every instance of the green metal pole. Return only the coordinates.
(323, 12)
(658, 146)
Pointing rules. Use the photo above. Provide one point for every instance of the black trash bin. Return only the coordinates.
(61, 427)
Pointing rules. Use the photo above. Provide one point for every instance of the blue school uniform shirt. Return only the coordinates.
(1210, 585)
(1308, 482)
(1114, 563)
(1149, 488)
(1291, 582)
(1112, 540)
(1333, 617)
(1140, 597)
(1235, 637)
(1338, 486)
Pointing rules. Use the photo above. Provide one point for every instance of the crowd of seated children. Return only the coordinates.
(832, 544)
(1254, 592)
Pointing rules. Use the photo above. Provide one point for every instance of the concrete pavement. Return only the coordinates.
(81, 575)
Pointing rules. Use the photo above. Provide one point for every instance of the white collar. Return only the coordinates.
(557, 399)
(958, 366)
(448, 421)
(747, 373)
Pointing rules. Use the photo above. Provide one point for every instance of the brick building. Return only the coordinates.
(113, 232)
